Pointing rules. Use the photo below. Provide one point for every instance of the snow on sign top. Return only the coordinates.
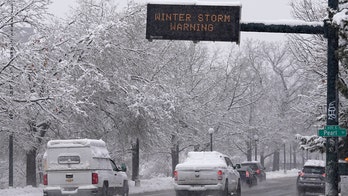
(317, 163)
(75, 143)
(197, 2)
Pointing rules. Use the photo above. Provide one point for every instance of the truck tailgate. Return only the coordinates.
(69, 178)
(197, 177)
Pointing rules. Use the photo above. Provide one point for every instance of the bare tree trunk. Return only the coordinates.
(135, 160)
(174, 153)
(276, 160)
(31, 167)
(249, 152)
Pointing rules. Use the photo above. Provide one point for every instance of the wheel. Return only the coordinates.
(181, 193)
(225, 191)
(239, 190)
(301, 192)
(125, 189)
(105, 189)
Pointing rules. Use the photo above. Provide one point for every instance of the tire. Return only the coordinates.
(301, 192)
(239, 190)
(105, 189)
(225, 191)
(181, 193)
(125, 189)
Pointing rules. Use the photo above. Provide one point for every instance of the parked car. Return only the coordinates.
(82, 167)
(311, 178)
(247, 176)
(206, 173)
(258, 168)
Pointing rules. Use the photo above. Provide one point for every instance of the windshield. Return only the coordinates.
(314, 170)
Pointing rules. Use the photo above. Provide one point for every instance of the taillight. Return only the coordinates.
(258, 171)
(45, 179)
(219, 173)
(247, 174)
(95, 178)
(324, 175)
(176, 175)
(301, 173)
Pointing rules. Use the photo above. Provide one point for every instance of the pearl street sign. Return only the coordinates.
(193, 22)
(332, 131)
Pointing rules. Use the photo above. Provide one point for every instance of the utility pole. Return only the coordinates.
(10, 143)
(332, 102)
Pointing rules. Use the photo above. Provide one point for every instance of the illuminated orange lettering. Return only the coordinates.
(188, 17)
(175, 16)
(179, 27)
(186, 27)
(227, 18)
(204, 27)
(157, 16)
(210, 27)
(168, 17)
(220, 18)
(172, 26)
(181, 17)
(207, 17)
(200, 17)
(213, 18)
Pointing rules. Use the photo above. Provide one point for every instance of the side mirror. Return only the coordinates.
(237, 166)
(123, 167)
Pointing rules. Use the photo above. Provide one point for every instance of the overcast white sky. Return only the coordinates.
(252, 10)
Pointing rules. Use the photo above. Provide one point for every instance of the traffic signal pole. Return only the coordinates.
(331, 33)
(332, 102)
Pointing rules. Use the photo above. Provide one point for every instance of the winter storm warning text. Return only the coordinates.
(190, 22)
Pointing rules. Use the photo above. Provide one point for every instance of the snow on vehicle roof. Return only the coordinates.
(316, 163)
(98, 147)
(75, 143)
(197, 2)
(203, 159)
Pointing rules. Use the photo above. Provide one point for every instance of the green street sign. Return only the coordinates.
(332, 131)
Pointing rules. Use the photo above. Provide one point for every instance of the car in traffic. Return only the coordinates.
(81, 167)
(258, 168)
(206, 173)
(247, 176)
(311, 178)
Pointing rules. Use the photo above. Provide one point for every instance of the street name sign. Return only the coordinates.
(193, 22)
(332, 131)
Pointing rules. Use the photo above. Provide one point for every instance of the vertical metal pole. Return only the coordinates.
(10, 162)
(10, 157)
(332, 104)
(211, 142)
(284, 159)
(255, 151)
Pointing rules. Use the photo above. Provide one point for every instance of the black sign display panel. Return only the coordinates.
(193, 22)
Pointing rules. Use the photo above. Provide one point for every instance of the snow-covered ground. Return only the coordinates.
(155, 184)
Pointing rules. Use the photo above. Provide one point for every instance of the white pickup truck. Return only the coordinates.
(82, 167)
(208, 173)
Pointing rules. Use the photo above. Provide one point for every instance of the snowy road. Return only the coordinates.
(275, 187)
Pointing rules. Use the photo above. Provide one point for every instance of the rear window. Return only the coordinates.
(252, 165)
(68, 159)
(314, 170)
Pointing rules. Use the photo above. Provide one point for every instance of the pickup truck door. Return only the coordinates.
(117, 178)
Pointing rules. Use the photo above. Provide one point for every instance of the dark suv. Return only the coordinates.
(258, 168)
(311, 178)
